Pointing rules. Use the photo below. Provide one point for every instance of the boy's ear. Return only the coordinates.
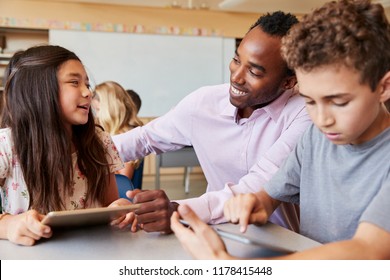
(290, 82)
(385, 87)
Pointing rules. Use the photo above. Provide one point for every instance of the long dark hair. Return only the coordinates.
(32, 111)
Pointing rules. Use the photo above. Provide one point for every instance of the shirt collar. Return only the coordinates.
(275, 108)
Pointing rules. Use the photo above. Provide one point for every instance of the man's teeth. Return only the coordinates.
(238, 92)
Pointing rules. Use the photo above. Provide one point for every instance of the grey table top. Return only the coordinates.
(106, 243)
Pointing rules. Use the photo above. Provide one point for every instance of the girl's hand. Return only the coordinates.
(26, 228)
(201, 241)
(124, 221)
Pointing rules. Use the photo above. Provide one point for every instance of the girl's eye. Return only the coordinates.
(235, 59)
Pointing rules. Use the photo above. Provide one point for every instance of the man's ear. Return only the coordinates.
(385, 88)
(290, 82)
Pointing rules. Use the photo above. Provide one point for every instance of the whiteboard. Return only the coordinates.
(162, 69)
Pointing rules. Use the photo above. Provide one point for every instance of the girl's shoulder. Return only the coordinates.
(104, 136)
(6, 130)
(100, 131)
(5, 134)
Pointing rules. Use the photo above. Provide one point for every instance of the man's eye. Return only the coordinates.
(256, 73)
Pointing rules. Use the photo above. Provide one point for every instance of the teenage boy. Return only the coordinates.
(339, 172)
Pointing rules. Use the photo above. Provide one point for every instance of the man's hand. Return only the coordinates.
(155, 211)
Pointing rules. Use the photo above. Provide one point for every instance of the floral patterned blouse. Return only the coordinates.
(14, 193)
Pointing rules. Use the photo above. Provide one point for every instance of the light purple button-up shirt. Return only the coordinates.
(236, 155)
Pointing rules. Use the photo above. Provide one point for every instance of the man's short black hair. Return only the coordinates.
(276, 24)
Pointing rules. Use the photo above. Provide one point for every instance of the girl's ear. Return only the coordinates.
(290, 82)
(385, 87)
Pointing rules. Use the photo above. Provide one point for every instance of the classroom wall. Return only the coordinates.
(53, 15)
(45, 14)
(162, 69)
(205, 43)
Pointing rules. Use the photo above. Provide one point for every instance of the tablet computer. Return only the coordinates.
(241, 237)
(89, 216)
(246, 239)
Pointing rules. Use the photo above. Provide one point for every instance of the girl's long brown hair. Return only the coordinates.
(32, 111)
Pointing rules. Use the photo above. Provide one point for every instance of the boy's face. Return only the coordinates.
(345, 110)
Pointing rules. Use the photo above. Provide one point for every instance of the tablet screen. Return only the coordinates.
(84, 217)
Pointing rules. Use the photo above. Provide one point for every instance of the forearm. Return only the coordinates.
(370, 242)
(3, 225)
(209, 206)
(342, 250)
(128, 171)
(129, 145)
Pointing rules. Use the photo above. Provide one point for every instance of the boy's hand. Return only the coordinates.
(201, 241)
(26, 228)
(247, 209)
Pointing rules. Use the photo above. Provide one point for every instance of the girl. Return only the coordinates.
(116, 112)
(52, 156)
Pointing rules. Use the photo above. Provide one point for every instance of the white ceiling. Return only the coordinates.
(249, 6)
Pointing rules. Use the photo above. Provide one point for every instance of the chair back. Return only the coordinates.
(124, 184)
(137, 176)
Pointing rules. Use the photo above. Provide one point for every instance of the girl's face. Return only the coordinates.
(75, 93)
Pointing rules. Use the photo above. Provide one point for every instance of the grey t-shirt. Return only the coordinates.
(336, 186)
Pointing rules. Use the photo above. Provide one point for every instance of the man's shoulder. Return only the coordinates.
(292, 107)
(214, 96)
(216, 91)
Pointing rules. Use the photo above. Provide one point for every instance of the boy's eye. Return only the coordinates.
(341, 104)
(309, 102)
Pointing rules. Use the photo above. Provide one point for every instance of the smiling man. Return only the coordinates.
(241, 132)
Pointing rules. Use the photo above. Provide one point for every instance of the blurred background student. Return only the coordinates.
(116, 112)
(136, 98)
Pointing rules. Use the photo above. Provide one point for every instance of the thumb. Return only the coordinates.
(132, 194)
(187, 214)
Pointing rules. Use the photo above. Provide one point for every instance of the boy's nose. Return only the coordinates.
(324, 118)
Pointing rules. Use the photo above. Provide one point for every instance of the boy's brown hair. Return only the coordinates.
(355, 34)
